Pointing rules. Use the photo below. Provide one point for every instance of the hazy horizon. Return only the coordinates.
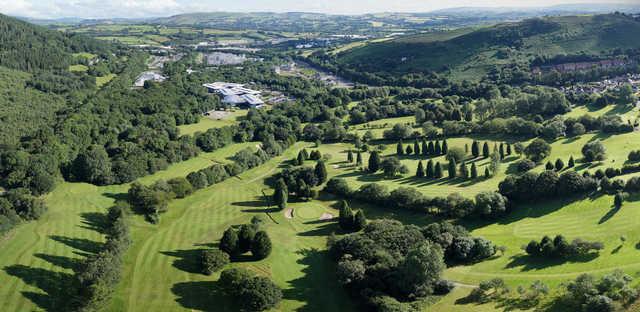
(51, 9)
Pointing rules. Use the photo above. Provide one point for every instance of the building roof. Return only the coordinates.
(252, 100)
(234, 99)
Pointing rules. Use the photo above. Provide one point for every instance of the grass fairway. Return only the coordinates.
(159, 272)
(206, 123)
(591, 218)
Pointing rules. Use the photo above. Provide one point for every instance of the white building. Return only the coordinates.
(236, 94)
(149, 76)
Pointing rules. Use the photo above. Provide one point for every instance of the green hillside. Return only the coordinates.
(472, 54)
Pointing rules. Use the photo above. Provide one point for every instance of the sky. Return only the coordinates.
(154, 8)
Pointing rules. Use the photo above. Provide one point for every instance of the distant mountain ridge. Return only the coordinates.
(204, 17)
(472, 53)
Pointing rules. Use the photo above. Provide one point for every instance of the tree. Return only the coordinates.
(245, 237)
(229, 242)
(618, 200)
(358, 159)
(438, 149)
(464, 171)
(93, 166)
(420, 270)
(487, 173)
(549, 166)
(180, 187)
(572, 163)
(392, 166)
(508, 149)
(432, 148)
(281, 194)
(420, 171)
(429, 173)
(519, 148)
(409, 150)
(457, 154)
(349, 156)
(475, 149)
(474, 171)
(491, 203)
(399, 148)
(261, 245)
(537, 150)
(559, 164)
(445, 147)
(345, 218)
(416, 147)
(359, 221)
(425, 148)
(300, 159)
(213, 260)
(594, 151)
(502, 151)
(452, 169)
(374, 162)
(320, 171)
(438, 171)
(485, 150)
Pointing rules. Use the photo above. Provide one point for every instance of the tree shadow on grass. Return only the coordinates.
(318, 288)
(81, 244)
(529, 263)
(187, 260)
(324, 229)
(60, 261)
(201, 296)
(612, 212)
(116, 196)
(94, 221)
(54, 285)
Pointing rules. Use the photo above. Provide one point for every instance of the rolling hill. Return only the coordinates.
(34, 76)
(470, 54)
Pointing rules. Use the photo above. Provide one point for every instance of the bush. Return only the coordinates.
(525, 165)
(594, 151)
(213, 260)
(252, 293)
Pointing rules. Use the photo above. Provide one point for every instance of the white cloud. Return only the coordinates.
(146, 8)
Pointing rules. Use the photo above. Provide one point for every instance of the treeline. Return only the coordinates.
(560, 248)
(486, 204)
(388, 262)
(97, 276)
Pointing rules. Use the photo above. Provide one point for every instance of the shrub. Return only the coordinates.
(213, 260)
(594, 151)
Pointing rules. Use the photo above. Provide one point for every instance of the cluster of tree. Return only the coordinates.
(299, 181)
(612, 292)
(98, 275)
(388, 259)
(238, 240)
(532, 186)
(19, 205)
(560, 248)
(486, 204)
(634, 156)
(403, 262)
(350, 221)
(248, 291)
(215, 138)
(153, 199)
(304, 155)
(428, 149)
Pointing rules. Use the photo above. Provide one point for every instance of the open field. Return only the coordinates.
(101, 81)
(206, 123)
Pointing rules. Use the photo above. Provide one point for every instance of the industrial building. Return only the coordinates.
(236, 94)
